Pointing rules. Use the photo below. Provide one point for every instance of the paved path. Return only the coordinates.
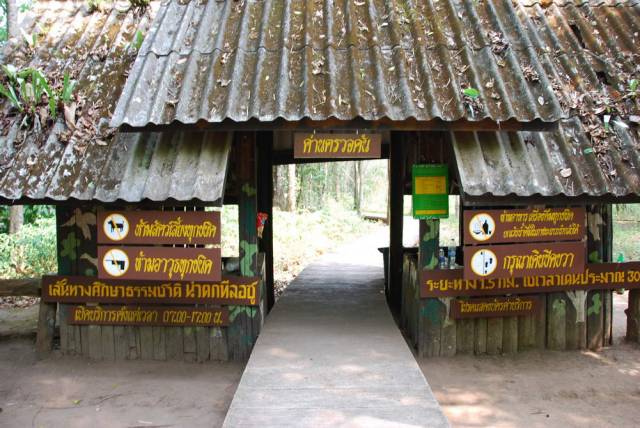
(331, 355)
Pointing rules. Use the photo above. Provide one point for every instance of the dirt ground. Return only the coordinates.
(542, 389)
(73, 392)
(534, 389)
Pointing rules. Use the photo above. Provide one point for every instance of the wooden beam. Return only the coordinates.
(265, 205)
(397, 154)
(334, 124)
(20, 287)
(285, 157)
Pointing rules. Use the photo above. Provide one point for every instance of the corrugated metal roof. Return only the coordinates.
(98, 165)
(132, 168)
(376, 60)
(564, 162)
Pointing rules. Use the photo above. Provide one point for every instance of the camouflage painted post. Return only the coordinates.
(598, 303)
(242, 332)
(432, 315)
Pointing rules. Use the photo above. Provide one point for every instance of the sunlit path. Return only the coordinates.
(331, 354)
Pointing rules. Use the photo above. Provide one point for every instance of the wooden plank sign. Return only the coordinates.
(160, 263)
(517, 260)
(231, 290)
(159, 227)
(495, 307)
(596, 276)
(527, 225)
(336, 146)
(149, 316)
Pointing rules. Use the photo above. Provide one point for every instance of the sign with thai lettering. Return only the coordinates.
(159, 227)
(526, 225)
(161, 263)
(430, 194)
(597, 276)
(347, 146)
(231, 290)
(149, 316)
(516, 260)
(495, 307)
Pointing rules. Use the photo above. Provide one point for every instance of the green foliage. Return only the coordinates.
(138, 38)
(30, 39)
(32, 214)
(27, 89)
(31, 252)
(626, 232)
(95, 5)
(139, 4)
(68, 86)
(471, 92)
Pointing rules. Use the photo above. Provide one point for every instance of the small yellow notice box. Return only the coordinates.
(431, 185)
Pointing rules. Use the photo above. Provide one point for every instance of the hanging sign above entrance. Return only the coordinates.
(337, 146)
(525, 225)
(430, 191)
(160, 263)
(517, 260)
(159, 227)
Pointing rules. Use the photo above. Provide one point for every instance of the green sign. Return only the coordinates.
(430, 191)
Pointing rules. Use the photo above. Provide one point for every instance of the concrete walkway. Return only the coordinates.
(331, 355)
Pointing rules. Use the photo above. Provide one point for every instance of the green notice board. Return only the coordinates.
(430, 191)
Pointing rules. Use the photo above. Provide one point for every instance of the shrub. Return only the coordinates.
(31, 252)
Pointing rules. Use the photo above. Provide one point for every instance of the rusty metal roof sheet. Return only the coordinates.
(376, 60)
(125, 167)
(560, 163)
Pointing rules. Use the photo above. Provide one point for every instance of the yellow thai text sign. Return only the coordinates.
(347, 146)
(149, 316)
(231, 290)
(494, 307)
(595, 276)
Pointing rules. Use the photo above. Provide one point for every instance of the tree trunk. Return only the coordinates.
(291, 195)
(356, 186)
(16, 218)
(336, 182)
(12, 18)
(274, 173)
(325, 184)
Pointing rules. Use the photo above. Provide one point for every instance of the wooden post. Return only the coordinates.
(248, 204)
(241, 333)
(265, 205)
(434, 336)
(598, 251)
(557, 321)
(633, 316)
(46, 329)
(397, 154)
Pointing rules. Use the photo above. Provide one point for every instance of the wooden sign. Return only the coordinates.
(159, 227)
(231, 290)
(495, 307)
(527, 225)
(597, 276)
(160, 263)
(149, 316)
(335, 146)
(517, 260)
